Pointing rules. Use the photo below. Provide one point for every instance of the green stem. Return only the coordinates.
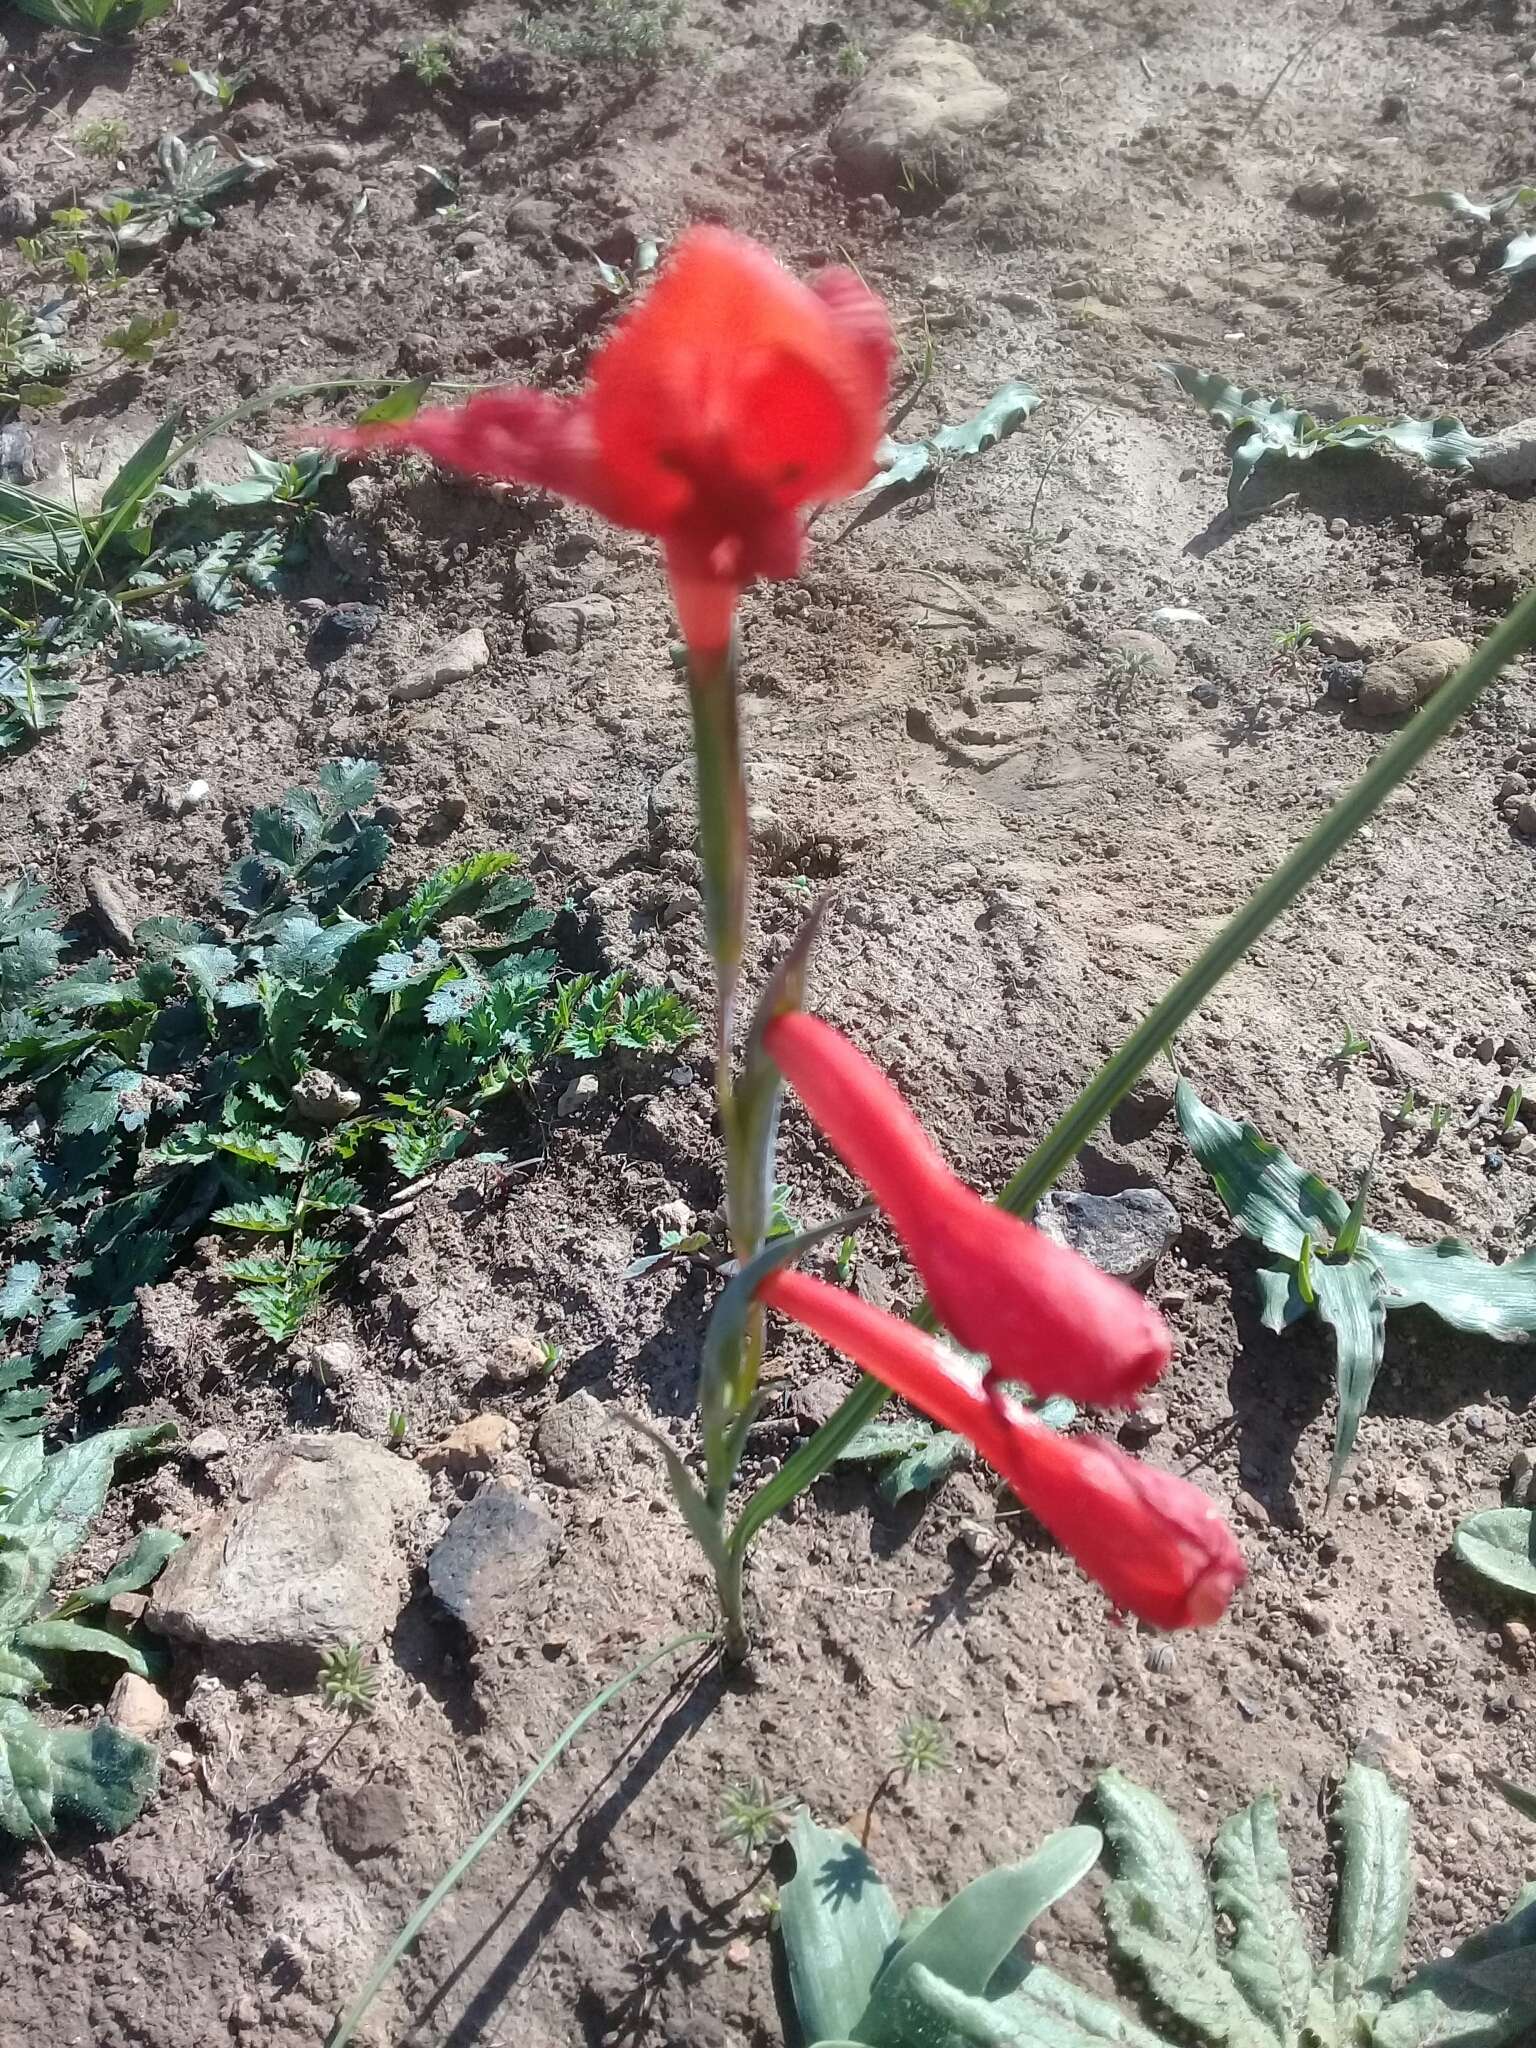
(347, 2027)
(1061, 1144)
(722, 800)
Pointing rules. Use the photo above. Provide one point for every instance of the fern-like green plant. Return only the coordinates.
(47, 1504)
(1221, 1957)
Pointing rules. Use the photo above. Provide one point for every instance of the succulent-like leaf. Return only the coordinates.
(839, 1924)
(1160, 1919)
(1500, 1545)
(1375, 1894)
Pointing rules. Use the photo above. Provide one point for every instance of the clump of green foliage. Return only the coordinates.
(34, 364)
(430, 60)
(47, 1505)
(1223, 1959)
(607, 31)
(94, 17)
(347, 1684)
(1328, 1261)
(269, 1072)
(222, 87)
(72, 582)
(105, 137)
(193, 181)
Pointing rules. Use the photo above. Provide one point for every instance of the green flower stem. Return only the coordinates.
(722, 799)
(1060, 1145)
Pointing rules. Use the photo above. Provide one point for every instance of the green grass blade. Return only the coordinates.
(347, 2026)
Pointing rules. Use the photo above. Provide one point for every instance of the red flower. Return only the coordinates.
(1155, 1543)
(728, 399)
(1041, 1314)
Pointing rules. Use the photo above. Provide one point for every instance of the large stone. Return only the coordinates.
(1397, 686)
(574, 1441)
(1124, 1235)
(306, 1559)
(1356, 635)
(912, 113)
(493, 1552)
(1507, 460)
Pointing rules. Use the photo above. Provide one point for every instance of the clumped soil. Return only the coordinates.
(1028, 834)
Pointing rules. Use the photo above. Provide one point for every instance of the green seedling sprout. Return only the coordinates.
(1294, 637)
(1513, 1107)
(751, 1819)
(347, 1685)
(106, 138)
(395, 1429)
(922, 1749)
(430, 60)
(1352, 1046)
(845, 1259)
(1439, 1117)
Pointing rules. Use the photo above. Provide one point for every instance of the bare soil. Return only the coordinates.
(1030, 836)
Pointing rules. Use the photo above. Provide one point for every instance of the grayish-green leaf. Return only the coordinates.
(1251, 1883)
(78, 1637)
(1500, 1545)
(1375, 1894)
(1268, 1195)
(907, 463)
(1484, 211)
(839, 1924)
(1347, 1295)
(1483, 1996)
(1450, 1279)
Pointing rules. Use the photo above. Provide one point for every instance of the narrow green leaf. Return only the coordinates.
(1500, 1545)
(1268, 1195)
(141, 472)
(1348, 1298)
(839, 1923)
(403, 403)
(77, 1637)
(132, 1572)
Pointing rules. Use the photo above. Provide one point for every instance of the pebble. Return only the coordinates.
(485, 134)
(494, 1551)
(321, 156)
(341, 627)
(1206, 694)
(473, 1446)
(1397, 685)
(319, 1098)
(111, 908)
(562, 627)
(1430, 1197)
(1124, 1235)
(1521, 1482)
(516, 1361)
(1251, 1510)
(573, 1441)
(207, 1446)
(190, 797)
(577, 1094)
(137, 1707)
(20, 214)
(455, 662)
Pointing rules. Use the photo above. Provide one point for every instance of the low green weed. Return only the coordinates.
(607, 31)
(106, 137)
(219, 86)
(347, 1684)
(35, 365)
(270, 1070)
(95, 17)
(430, 60)
(47, 1505)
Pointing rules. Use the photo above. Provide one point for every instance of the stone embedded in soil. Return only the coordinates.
(912, 113)
(1522, 1479)
(19, 214)
(454, 662)
(364, 1820)
(343, 626)
(472, 1446)
(576, 1094)
(112, 908)
(1430, 1197)
(1396, 686)
(1124, 1234)
(322, 155)
(574, 1442)
(493, 1552)
(1507, 460)
(1356, 635)
(137, 1707)
(306, 1559)
(319, 1098)
(561, 628)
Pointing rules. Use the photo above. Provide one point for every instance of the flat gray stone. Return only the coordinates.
(495, 1549)
(1124, 1235)
(306, 1559)
(573, 1441)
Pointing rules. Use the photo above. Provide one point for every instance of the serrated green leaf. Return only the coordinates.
(1500, 1545)
(20, 1297)
(924, 1468)
(152, 644)
(838, 1923)
(1042, 2010)
(1251, 1883)
(1160, 1920)
(1375, 1894)
(879, 1442)
(902, 465)
(350, 783)
(275, 1213)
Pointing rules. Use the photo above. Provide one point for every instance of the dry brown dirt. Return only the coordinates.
(1029, 836)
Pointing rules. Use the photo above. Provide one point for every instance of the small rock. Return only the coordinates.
(1429, 1197)
(1506, 461)
(738, 1954)
(1319, 195)
(334, 1362)
(110, 906)
(1252, 1511)
(577, 1094)
(485, 134)
(912, 112)
(1355, 635)
(1341, 680)
(190, 797)
(979, 1539)
(1144, 1423)
(1206, 695)
(572, 1439)
(368, 1820)
(561, 628)
(531, 219)
(473, 1446)
(1525, 817)
(455, 662)
(321, 156)
(319, 1098)
(1512, 786)
(307, 1557)
(818, 1400)
(137, 1707)
(206, 1447)
(674, 1216)
(1316, 1620)
(1399, 684)
(1338, 529)
(1515, 1638)
(20, 214)
(516, 1360)
(21, 461)
(343, 626)
(1522, 1480)
(1124, 1235)
(495, 1549)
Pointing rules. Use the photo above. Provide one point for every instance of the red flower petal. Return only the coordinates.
(1041, 1314)
(1155, 1543)
(730, 397)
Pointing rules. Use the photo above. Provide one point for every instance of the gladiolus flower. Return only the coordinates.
(1154, 1542)
(1038, 1312)
(730, 397)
